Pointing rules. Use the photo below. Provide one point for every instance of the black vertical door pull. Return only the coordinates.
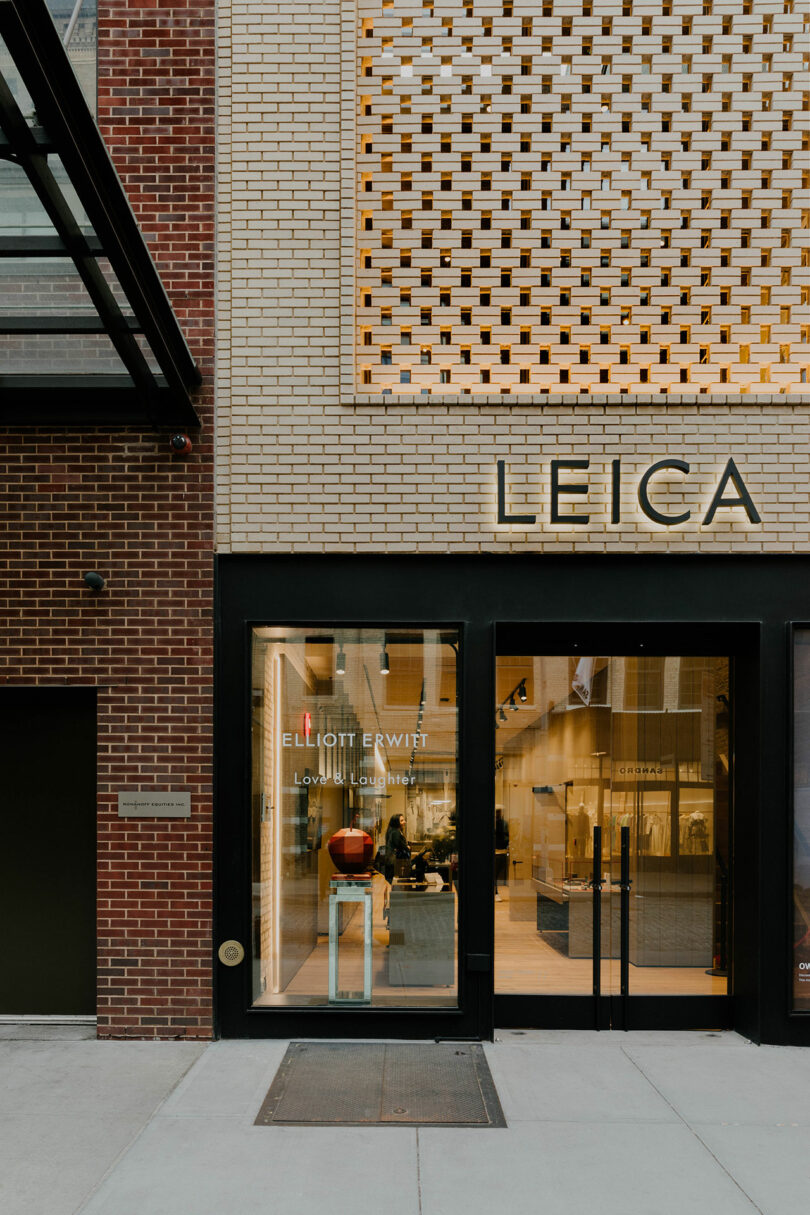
(624, 886)
(596, 882)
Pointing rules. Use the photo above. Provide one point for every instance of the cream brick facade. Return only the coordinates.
(307, 462)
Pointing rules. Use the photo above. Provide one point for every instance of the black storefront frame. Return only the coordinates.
(750, 598)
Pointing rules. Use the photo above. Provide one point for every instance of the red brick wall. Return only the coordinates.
(156, 86)
(121, 503)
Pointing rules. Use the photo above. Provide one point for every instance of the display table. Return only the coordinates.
(422, 937)
(569, 909)
(350, 889)
(671, 918)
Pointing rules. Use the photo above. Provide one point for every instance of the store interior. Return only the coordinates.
(637, 742)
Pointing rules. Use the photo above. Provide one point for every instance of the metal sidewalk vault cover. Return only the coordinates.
(87, 333)
(382, 1084)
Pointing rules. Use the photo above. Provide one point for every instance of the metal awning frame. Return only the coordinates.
(65, 126)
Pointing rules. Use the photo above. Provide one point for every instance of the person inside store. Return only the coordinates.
(397, 849)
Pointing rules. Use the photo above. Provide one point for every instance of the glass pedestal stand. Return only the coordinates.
(352, 888)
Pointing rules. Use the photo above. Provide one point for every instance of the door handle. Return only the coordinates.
(596, 883)
(624, 922)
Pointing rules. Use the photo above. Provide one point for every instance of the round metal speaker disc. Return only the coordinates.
(231, 953)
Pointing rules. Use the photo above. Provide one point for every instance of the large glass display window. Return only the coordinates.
(638, 748)
(355, 817)
(800, 982)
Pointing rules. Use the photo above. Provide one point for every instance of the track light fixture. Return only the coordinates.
(522, 695)
(340, 662)
(385, 665)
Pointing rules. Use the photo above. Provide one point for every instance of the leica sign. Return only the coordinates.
(571, 481)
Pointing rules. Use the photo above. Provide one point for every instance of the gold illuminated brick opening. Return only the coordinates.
(582, 197)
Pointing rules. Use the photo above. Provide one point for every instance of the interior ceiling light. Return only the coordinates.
(340, 662)
(501, 714)
(512, 704)
(522, 692)
(385, 665)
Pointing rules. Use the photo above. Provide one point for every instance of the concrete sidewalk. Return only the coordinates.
(631, 1124)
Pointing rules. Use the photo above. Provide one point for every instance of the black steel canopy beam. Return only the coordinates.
(90, 400)
(42, 140)
(61, 324)
(43, 246)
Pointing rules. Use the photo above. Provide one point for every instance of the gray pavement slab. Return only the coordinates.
(616, 1169)
(771, 1163)
(228, 1080)
(23, 1031)
(547, 1082)
(68, 1109)
(758, 1085)
(213, 1166)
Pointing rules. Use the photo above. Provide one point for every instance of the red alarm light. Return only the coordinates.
(307, 725)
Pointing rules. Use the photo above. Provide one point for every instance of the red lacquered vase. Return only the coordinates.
(351, 850)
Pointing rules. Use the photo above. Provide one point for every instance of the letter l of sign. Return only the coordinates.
(502, 515)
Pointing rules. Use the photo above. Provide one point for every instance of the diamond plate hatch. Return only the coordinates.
(376, 1084)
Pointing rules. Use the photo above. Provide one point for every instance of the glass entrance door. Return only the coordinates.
(612, 835)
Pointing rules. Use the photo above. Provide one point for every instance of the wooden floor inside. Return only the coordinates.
(525, 964)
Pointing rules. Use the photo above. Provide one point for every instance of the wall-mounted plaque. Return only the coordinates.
(133, 803)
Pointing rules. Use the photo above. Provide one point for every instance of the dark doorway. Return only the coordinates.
(48, 858)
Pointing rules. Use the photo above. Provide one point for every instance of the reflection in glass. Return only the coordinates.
(9, 72)
(801, 821)
(614, 742)
(77, 25)
(51, 286)
(354, 728)
(42, 286)
(21, 212)
(59, 353)
(146, 350)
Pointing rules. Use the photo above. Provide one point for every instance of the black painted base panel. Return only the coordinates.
(355, 1023)
(612, 1012)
